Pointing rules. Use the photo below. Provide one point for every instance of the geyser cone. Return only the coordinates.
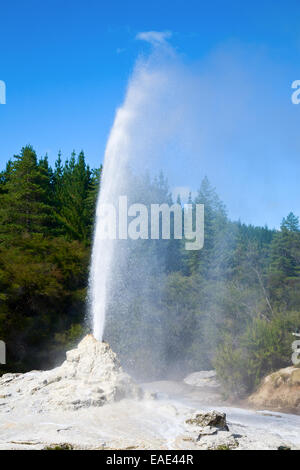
(90, 376)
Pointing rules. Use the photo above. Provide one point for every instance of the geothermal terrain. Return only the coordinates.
(89, 402)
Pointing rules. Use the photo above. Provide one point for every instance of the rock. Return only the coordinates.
(279, 391)
(208, 425)
(91, 376)
(204, 378)
(211, 431)
(212, 419)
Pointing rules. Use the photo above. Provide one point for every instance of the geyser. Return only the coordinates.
(142, 127)
(155, 129)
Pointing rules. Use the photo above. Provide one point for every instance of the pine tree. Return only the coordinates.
(285, 262)
(214, 223)
(291, 223)
(25, 205)
(72, 191)
(58, 172)
(92, 193)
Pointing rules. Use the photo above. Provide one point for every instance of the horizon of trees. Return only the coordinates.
(230, 306)
(46, 222)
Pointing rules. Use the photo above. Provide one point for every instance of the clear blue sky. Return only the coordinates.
(66, 66)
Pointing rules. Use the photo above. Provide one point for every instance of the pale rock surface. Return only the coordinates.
(91, 375)
(279, 391)
(89, 402)
(203, 378)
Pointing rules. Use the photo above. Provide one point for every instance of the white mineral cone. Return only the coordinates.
(90, 376)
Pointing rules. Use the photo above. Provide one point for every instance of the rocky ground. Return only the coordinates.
(91, 403)
(91, 375)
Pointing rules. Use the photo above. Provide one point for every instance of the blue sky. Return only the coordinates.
(66, 67)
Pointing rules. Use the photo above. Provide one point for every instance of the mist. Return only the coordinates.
(179, 122)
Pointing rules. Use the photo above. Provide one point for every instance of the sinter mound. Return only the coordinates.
(91, 375)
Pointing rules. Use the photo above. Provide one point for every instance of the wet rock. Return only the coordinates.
(212, 419)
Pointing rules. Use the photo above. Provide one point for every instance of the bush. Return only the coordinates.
(264, 348)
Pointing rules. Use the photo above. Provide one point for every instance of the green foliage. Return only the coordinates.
(264, 347)
(284, 272)
(25, 205)
(75, 193)
(65, 446)
(43, 264)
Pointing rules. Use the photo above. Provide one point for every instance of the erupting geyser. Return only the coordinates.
(116, 156)
(139, 130)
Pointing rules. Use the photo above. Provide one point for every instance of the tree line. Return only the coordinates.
(46, 221)
(231, 306)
